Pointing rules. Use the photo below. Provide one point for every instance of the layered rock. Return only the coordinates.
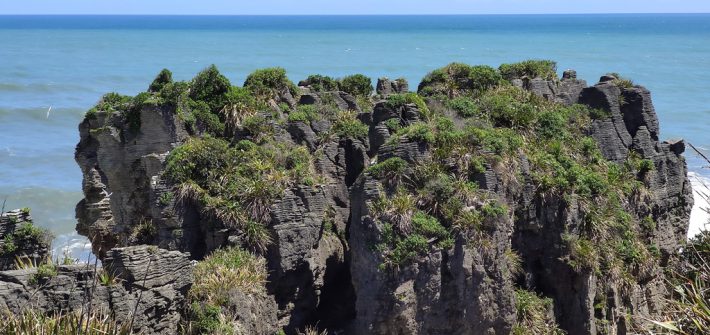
(142, 286)
(324, 267)
(587, 302)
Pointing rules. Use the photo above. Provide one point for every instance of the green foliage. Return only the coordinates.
(210, 86)
(357, 85)
(391, 168)
(163, 78)
(534, 315)
(8, 245)
(347, 125)
(207, 319)
(458, 79)
(621, 81)
(224, 271)
(464, 107)
(319, 83)
(237, 185)
(510, 107)
(545, 69)
(109, 103)
(418, 132)
(44, 271)
(206, 120)
(269, 82)
(393, 124)
(304, 113)
(166, 198)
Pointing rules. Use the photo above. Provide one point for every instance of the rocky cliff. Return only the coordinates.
(492, 201)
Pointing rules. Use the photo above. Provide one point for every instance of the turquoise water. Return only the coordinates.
(68, 62)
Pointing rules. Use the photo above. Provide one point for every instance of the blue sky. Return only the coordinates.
(248, 7)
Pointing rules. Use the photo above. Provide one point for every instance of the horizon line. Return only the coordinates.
(407, 14)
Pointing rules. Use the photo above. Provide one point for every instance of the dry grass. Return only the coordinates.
(226, 270)
(33, 323)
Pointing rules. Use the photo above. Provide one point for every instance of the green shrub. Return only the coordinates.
(269, 82)
(163, 78)
(319, 83)
(207, 319)
(464, 107)
(304, 113)
(509, 108)
(459, 79)
(545, 69)
(408, 249)
(347, 125)
(109, 103)
(621, 81)
(429, 226)
(390, 168)
(44, 271)
(357, 85)
(210, 87)
(418, 132)
(393, 124)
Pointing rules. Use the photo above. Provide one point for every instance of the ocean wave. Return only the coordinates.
(699, 216)
(41, 87)
(42, 112)
(74, 246)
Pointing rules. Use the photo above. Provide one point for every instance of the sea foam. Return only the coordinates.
(700, 215)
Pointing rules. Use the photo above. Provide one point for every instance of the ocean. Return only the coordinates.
(54, 68)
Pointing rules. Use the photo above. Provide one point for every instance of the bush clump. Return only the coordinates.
(545, 69)
(319, 83)
(347, 125)
(357, 85)
(226, 270)
(210, 86)
(457, 79)
(268, 82)
(163, 78)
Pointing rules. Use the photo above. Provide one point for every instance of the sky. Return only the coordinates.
(325, 7)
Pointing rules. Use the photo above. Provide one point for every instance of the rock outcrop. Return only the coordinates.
(337, 260)
(142, 286)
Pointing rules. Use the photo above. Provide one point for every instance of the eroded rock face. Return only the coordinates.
(582, 300)
(121, 166)
(462, 290)
(385, 86)
(149, 289)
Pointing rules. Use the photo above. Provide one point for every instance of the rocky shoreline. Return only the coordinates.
(328, 206)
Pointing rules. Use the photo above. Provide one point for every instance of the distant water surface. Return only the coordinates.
(68, 62)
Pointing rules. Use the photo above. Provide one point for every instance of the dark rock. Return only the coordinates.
(385, 86)
(149, 290)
